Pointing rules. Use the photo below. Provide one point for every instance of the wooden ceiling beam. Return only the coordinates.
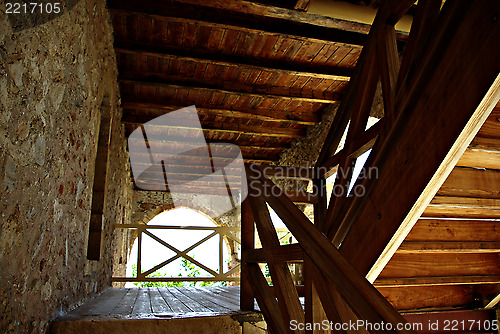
(181, 144)
(194, 161)
(233, 60)
(210, 191)
(223, 127)
(165, 106)
(175, 82)
(250, 15)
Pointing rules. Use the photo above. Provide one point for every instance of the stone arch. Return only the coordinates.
(146, 210)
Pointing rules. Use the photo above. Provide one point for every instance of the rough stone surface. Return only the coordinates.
(53, 80)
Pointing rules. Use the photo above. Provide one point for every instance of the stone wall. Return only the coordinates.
(54, 78)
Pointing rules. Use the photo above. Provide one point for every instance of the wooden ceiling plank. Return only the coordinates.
(190, 161)
(253, 16)
(419, 171)
(165, 106)
(463, 207)
(225, 127)
(175, 82)
(427, 298)
(184, 142)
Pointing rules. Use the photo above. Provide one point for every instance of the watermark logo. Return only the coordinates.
(170, 153)
(26, 14)
(352, 188)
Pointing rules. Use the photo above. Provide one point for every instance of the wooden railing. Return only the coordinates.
(216, 232)
(436, 97)
(230, 233)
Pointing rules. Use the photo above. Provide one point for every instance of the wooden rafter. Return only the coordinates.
(252, 16)
(222, 127)
(238, 61)
(240, 89)
(161, 107)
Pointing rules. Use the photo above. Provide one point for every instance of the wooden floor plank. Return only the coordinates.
(102, 304)
(150, 301)
(175, 304)
(142, 303)
(193, 305)
(126, 305)
(204, 299)
(158, 303)
(220, 298)
(113, 298)
(234, 293)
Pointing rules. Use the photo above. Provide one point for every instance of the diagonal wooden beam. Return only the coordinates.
(267, 300)
(426, 16)
(362, 79)
(288, 298)
(361, 296)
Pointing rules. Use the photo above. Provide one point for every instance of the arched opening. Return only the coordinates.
(182, 247)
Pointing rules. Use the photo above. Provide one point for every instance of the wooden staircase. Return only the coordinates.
(436, 98)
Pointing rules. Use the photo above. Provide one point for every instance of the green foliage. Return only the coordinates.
(188, 270)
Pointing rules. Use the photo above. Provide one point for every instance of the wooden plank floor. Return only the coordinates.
(144, 302)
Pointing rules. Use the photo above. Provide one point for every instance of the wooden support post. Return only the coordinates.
(247, 244)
